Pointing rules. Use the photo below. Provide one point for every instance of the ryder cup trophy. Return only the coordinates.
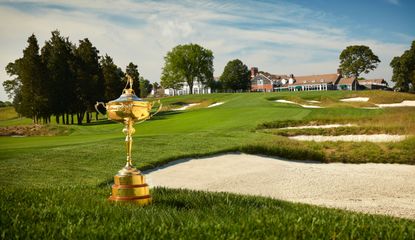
(129, 183)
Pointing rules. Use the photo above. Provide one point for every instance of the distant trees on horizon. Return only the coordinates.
(65, 80)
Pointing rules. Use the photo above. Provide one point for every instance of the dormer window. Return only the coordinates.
(260, 82)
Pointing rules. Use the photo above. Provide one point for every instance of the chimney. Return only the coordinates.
(291, 80)
(254, 72)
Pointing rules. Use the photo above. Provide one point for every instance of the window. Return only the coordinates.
(260, 82)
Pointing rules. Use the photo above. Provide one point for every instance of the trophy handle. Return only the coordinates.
(158, 110)
(151, 115)
(96, 107)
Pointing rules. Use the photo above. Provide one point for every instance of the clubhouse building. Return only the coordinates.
(266, 82)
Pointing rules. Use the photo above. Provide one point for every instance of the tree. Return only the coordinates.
(89, 84)
(58, 57)
(156, 86)
(26, 88)
(13, 87)
(404, 70)
(132, 70)
(113, 79)
(187, 63)
(357, 59)
(145, 87)
(235, 76)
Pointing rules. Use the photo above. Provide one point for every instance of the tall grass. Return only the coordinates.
(7, 113)
(82, 212)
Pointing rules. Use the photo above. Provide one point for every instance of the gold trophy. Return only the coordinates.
(129, 183)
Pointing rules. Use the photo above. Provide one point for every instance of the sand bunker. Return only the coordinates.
(186, 107)
(370, 107)
(321, 126)
(372, 188)
(313, 101)
(351, 138)
(310, 106)
(284, 101)
(215, 104)
(406, 103)
(304, 106)
(356, 99)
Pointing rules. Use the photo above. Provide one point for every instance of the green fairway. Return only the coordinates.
(56, 186)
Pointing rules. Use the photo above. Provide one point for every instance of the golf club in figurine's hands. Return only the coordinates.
(129, 183)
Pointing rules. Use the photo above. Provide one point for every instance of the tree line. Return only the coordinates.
(64, 80)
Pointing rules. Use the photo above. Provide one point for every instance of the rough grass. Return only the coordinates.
(379, 96)
(82, 212)
(338, 131)
(7, 113)
(388, 121)
(35, 130)
(332, 100)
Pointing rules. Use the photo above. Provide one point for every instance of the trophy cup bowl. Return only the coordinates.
(129, 184)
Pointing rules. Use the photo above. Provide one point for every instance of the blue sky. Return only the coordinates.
(300, 36)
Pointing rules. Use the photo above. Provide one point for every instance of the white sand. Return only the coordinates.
(406, 103)
(310, 106)
(215, 104)
(313, 101)
(351, 138)
(370, 108)
(304, 106)
(186, 107)
(321, 126)
(356, 99)
(284, 101)
(372, 188)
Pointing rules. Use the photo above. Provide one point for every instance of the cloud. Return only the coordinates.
(278, 37)
(394, 2)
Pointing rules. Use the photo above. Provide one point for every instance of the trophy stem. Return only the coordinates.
(129, 130)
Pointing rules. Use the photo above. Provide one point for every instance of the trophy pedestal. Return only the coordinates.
(130, 186)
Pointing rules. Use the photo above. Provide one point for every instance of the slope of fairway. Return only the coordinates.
(60, 183)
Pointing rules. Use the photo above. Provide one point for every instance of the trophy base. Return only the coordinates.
(130, 186)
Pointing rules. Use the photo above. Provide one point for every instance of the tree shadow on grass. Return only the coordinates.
(99, 122)
(164, 115)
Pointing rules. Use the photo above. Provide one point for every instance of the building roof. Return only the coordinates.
(315, 79)
(372, 81)
(346, 81)
(273, 77)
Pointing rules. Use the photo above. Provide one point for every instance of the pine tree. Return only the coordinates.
(113, 79)
(31, 70)
(89, 84)
(145, 87)
(58, 57)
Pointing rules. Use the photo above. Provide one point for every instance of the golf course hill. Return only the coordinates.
(56, 179)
